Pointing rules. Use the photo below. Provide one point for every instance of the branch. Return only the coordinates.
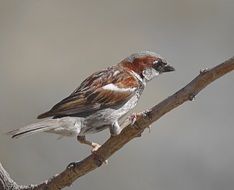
(114, 143)
(6, 182)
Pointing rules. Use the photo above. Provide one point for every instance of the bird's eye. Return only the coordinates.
(160, 62)
(155, 62)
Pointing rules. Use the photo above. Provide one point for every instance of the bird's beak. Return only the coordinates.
(168, 68)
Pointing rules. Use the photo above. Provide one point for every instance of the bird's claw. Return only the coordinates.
(133, 118)
(95, 146)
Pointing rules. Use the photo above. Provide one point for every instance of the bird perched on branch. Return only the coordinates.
(100, 100)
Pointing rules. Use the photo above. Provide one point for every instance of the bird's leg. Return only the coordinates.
(115, 129)
(83, 140)
(95, 146)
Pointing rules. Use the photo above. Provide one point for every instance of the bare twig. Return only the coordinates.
(113, 144)
(6, 182)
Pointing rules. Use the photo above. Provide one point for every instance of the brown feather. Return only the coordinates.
(90, 96)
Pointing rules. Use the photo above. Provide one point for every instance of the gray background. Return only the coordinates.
(47, 47)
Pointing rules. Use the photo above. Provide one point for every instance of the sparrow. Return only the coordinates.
(100, 100)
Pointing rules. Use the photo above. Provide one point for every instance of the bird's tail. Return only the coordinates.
(41, 126)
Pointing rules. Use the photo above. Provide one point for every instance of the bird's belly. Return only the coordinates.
(104, 118)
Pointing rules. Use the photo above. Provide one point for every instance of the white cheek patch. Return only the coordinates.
(113, 87)
(150, 73)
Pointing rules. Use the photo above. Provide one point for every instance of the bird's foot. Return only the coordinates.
(133, 118)
(95, 146)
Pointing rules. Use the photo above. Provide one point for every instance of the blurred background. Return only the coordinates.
(48, 47)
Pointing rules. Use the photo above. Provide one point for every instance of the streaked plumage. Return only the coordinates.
(101, 99)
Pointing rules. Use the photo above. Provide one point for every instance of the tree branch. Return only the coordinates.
(113, 144)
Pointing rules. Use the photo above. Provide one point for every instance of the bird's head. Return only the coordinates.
(146, 64)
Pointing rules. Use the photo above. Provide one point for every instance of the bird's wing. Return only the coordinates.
(109, 88)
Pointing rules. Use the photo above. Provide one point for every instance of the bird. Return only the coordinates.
(101, 100)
